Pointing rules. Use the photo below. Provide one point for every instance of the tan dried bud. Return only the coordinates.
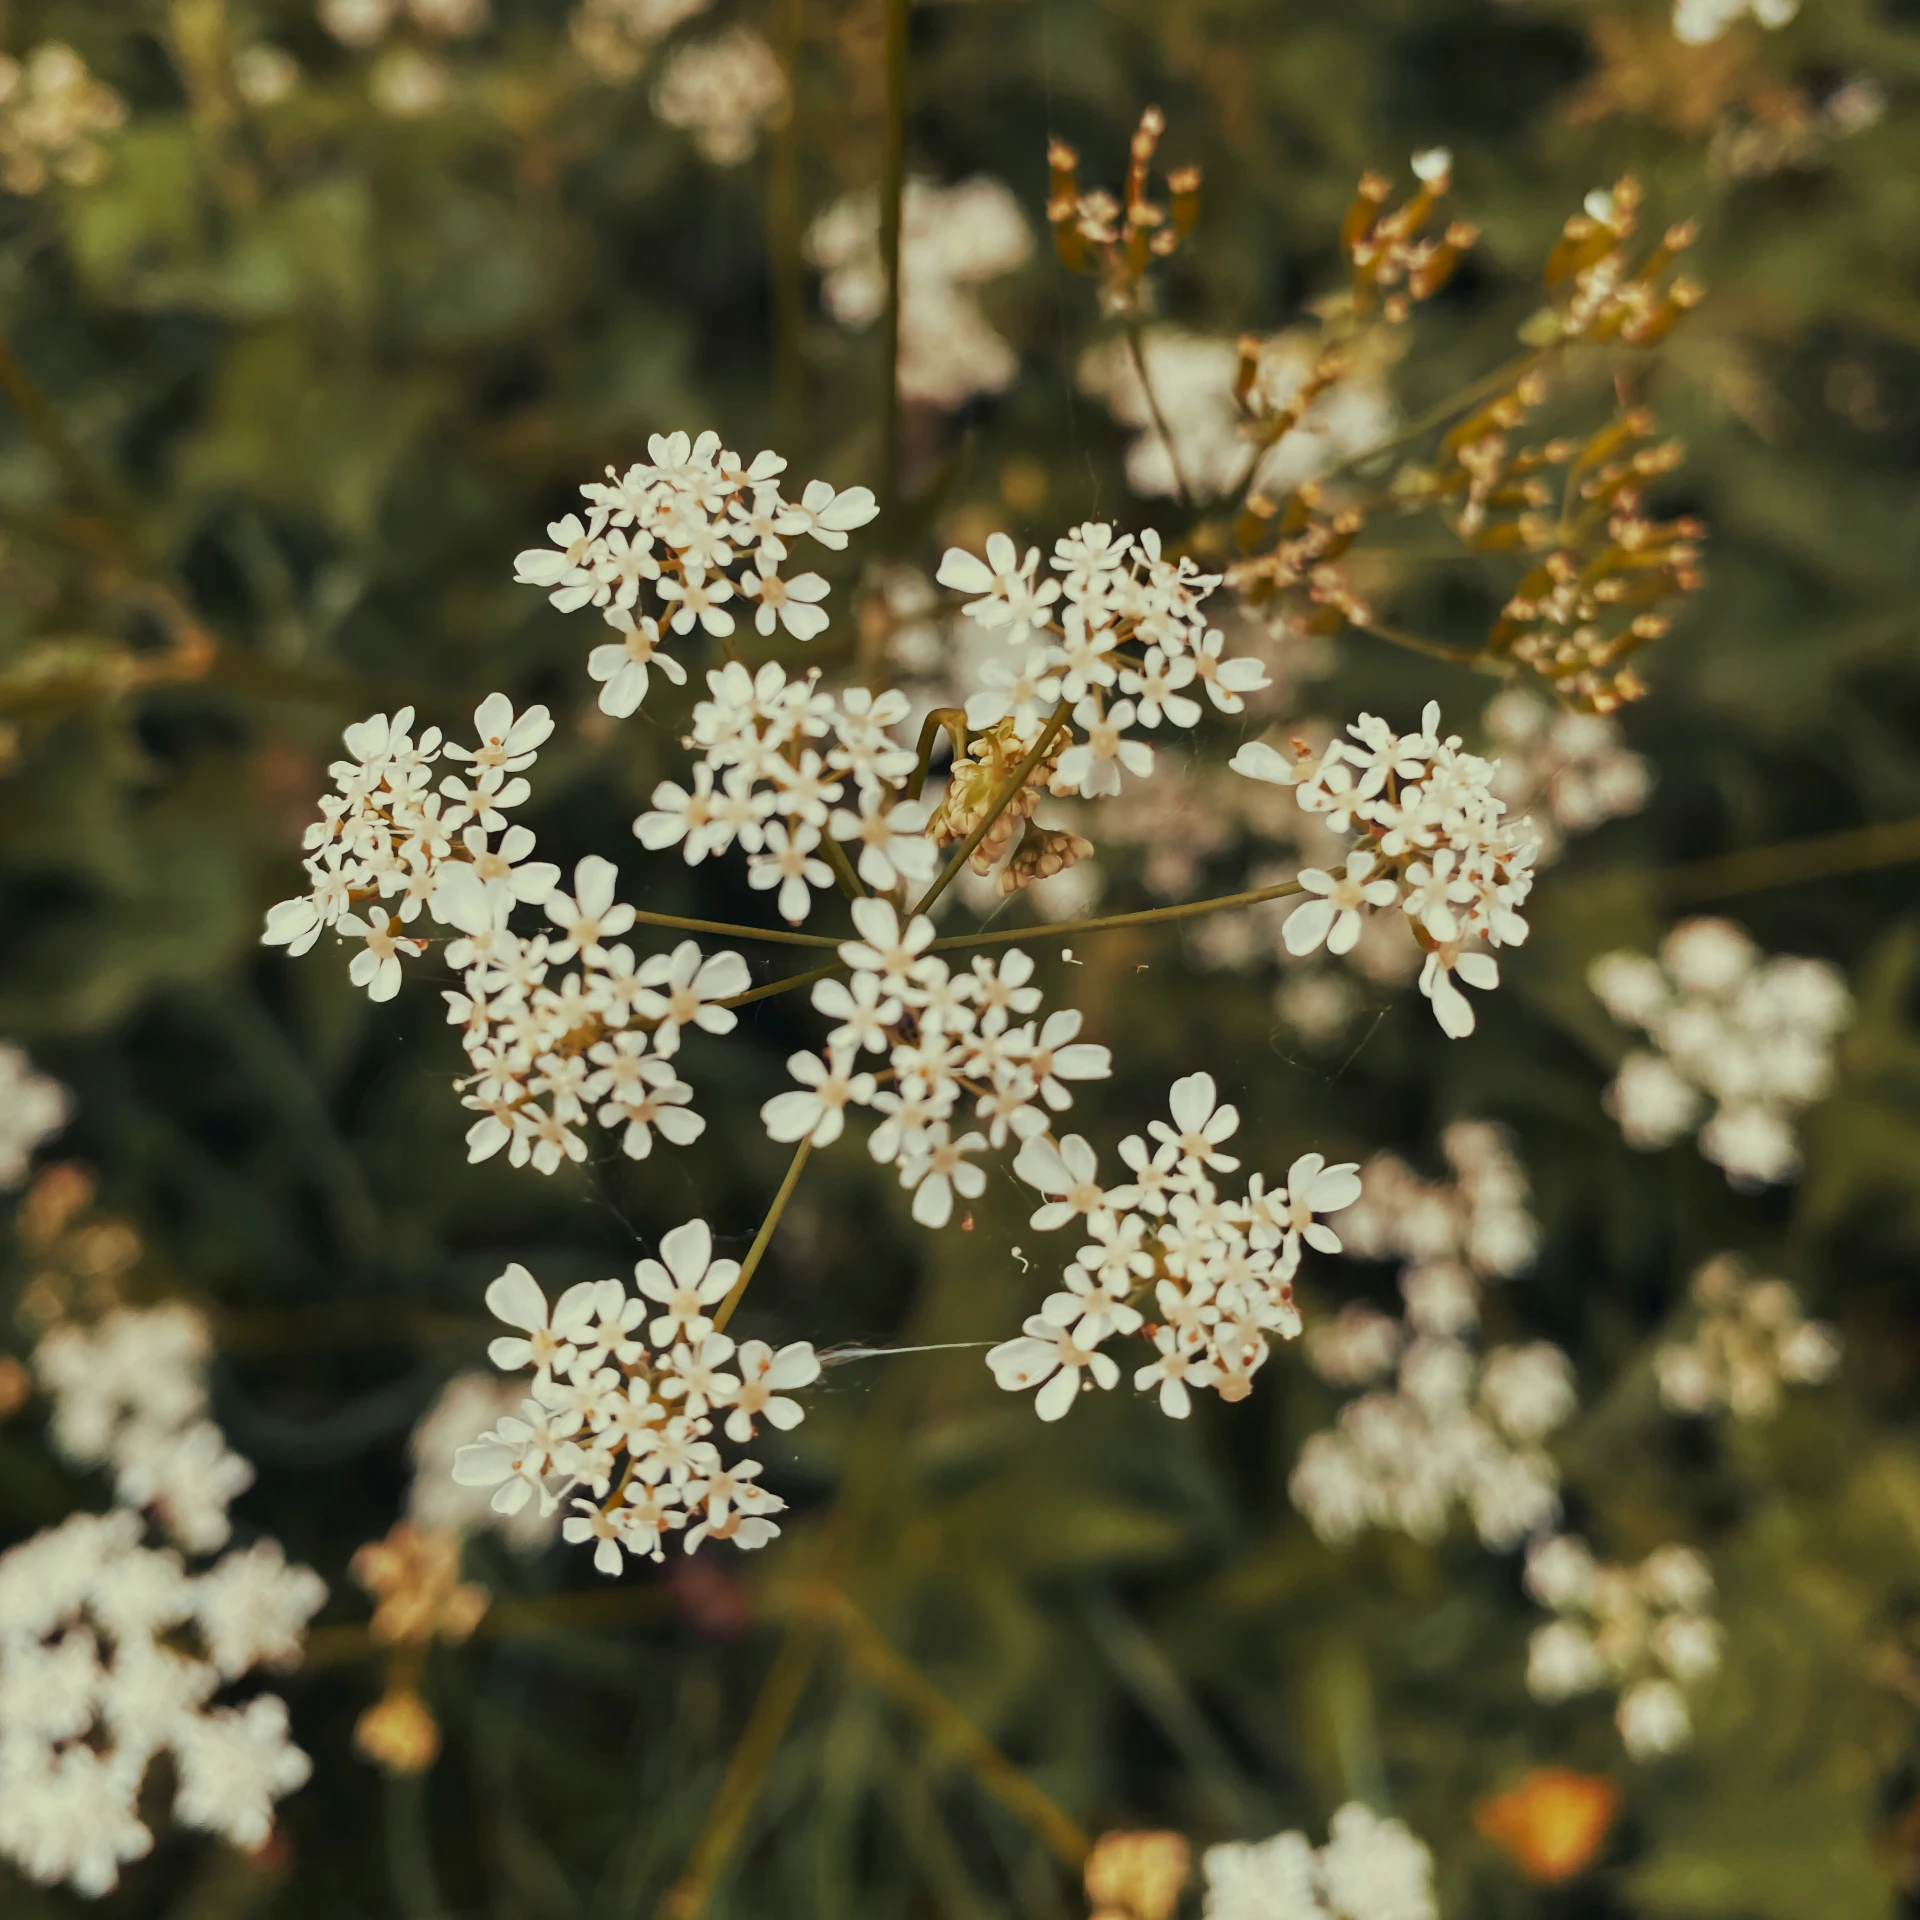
(15, 1385)
(1138, 1875)
(398, 1732)
(414, 1573)
(59, 1193)
(1042, 852)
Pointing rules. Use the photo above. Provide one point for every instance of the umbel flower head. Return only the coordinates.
(1204, 1282)
(627, 1390)
(1743, 1044)
(1431, 840)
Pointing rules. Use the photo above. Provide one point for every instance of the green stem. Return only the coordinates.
(843, 874)
(777, 936)
(786, 984)
(1147, 917)
(893, 186)
(954, 720)
(758, 1250)
(1431, 649)
(1443, 411)
(1015, 781)
(1134, 345)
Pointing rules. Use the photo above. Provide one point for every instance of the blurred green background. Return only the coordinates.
(337, 329)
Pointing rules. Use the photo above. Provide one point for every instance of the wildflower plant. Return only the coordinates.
(693, 560)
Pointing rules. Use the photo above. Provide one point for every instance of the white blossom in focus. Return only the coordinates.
(1431, 839)
(616, 1433)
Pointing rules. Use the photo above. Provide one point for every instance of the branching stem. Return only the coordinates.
(757, 1251)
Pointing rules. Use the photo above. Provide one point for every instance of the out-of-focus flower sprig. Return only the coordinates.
(1117, 240)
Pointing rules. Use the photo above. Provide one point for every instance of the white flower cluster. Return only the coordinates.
(129, 1394)
(1370, 1869)
(51, 110)
(947, 1036)
(1644, 1630)
(1116, 628)
(723, 92)
(548, 1049)
(1695, 22)
(614, 37)
(627, 1388)
(783, 765)
(1458, 1428)
(1750, 1339)
(111, 1654)
(110, 1651)
(1214, 1276)
(1569, 772)
(1193, 378)
(673, 526)
(1480, 1217)
(365, 23)
(952, 241)
(1748, 1037)
(1431, 839)
(33, 1108)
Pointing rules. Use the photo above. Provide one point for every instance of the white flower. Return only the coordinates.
(894, 848)
(1450, 1006)
(1009, 599)
(566, 567)
(32, 1108)
(936, 1169)
(1093, 766)
(1066, 1171)
(588, 1522)
(692, 987)
(1046, 1356)
(548, 1341)
(863, 1009)
(1202, 1123)
(589, 915)
(898, 955)
(690, 1282)
(623, 664)
(377, 965)
(507, 744)
(788, 603)
(1182, 1359)
(1653, 1720)
(765, 1379)
(1334, 917)
(816, 1109)
(829, 516)
(786, 861)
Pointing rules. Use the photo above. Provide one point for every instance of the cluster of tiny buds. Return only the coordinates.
(1394, 263)
(1598, 295)
(1118, 239)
